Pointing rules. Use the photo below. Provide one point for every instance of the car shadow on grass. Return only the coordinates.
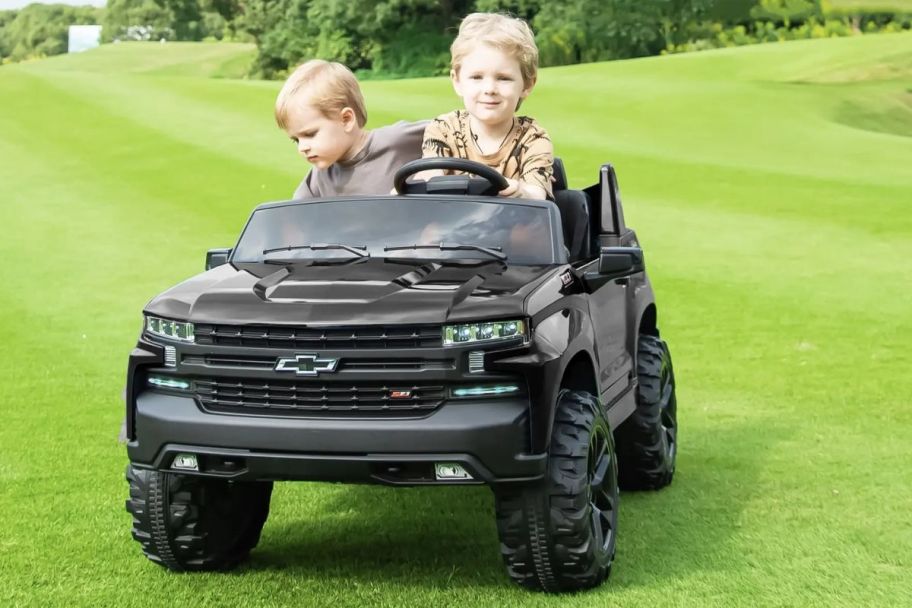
(689, 528)
(446, 537)
(425, 537)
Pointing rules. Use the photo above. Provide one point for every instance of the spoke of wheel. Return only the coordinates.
(598, 475)
(597, 529)
(667, 392)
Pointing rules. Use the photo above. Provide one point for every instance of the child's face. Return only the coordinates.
(321, 140)
(490, 84)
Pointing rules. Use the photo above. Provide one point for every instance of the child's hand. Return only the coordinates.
(512, 189)
(518, 189)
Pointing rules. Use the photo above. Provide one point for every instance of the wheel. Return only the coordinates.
(647, 442)
(194, 523)
(559, 534)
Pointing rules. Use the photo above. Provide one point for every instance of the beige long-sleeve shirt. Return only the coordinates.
(526, 153)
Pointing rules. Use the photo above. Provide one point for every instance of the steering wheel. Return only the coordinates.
(482, 179)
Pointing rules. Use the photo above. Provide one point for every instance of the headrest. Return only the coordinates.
(560, 176)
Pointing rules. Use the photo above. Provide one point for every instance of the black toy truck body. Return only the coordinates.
(441, 337)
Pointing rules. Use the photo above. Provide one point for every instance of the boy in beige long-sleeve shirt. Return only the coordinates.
(494, 68)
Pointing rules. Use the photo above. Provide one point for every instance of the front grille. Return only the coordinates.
(347, 364)
(266, 336)
(314, 399)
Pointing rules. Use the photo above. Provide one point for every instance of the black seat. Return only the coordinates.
(574, 209)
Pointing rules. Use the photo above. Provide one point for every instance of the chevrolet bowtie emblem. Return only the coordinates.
(306, 365)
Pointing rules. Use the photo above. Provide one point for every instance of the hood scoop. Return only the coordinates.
(269, 281)
(417, 275)
(465, 291)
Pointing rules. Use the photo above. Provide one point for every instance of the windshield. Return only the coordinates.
(393, 228)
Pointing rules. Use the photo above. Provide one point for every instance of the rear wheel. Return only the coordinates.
(560, 534)
(647, 442)
(195, 523)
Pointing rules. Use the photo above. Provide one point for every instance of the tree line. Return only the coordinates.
(392, 38)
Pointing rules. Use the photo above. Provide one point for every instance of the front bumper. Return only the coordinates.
(489, 438)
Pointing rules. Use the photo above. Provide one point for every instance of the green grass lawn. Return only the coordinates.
(887, 6)
(771, 187)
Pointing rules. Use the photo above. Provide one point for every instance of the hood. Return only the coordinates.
(372, 291)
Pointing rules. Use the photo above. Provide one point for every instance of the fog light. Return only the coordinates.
(485, 391)
(450, 470)
(185, 462)
(168, 382)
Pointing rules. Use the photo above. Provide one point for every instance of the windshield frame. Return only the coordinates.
(558, 252)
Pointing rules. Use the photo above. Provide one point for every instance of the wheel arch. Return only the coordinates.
(644, 315)
(574, 371)
(579, 374)
(648, 322)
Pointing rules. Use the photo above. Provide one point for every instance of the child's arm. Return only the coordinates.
(520, 189)
(304, 189)
(434, 145)
(535, 167)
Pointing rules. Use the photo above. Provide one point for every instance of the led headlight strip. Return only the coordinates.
(485, 391)
(469, 333)
(173, 330)
(168, 382)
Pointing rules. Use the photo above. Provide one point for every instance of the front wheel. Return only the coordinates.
(560, 534)
(195, 523)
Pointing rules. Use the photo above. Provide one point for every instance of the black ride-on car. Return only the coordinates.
(440, 336)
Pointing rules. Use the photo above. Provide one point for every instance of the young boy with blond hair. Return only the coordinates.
(322, 110)
(494, 67)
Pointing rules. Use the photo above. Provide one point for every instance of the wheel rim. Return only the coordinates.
(602, 476)
(668, 408)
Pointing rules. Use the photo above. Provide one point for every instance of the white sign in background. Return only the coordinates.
(84, 37)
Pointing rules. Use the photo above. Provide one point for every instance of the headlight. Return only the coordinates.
(455, 335)
(173, 330)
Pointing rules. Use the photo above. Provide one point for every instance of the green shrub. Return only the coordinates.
(709, 35)
(137, 20)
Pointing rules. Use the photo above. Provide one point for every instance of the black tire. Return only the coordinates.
(187, 523)
(560, 534)
(647, 442)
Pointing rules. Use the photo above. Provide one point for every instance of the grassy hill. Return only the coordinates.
(772, 191)
(216, 60)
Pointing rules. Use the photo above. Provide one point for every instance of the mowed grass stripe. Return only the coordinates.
(175, 110)
(113, 166)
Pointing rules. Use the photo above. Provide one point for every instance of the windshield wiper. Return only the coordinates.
(494, 252)
(358, 250)
(315, 262)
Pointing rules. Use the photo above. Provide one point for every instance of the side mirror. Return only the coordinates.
(615, 263)
(621, 261)
(217, 257)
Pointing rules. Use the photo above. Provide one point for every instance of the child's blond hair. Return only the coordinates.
(509, 34)
(328, 86)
